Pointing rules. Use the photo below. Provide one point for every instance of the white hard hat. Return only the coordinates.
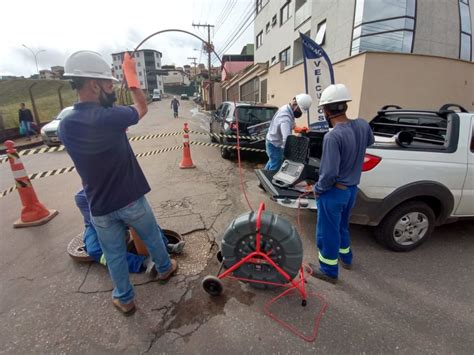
(304, 101)
(333, 94)
(87, 64)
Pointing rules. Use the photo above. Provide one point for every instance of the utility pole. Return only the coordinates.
(209, 49)
(195, 72)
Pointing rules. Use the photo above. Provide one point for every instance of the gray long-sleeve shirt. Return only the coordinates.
(343, 154)
(281, 126)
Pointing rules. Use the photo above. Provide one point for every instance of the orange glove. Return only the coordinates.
(299, 129)
(130, 72)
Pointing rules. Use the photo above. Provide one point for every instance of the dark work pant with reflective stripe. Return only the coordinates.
(332, 233)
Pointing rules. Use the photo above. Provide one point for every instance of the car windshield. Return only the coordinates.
(254, 115)
(64, 113)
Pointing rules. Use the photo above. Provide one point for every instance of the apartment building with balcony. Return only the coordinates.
(414, 53)
(148, 68)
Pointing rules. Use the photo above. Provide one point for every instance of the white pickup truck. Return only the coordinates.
(418, 174)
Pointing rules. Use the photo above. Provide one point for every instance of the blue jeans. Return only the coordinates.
(275, 156)
(332, 234)
(111, 229)
(91, 240)
(27, 128)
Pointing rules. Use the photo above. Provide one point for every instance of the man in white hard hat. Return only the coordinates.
(283, 122)
(339, 174)
(94, 136)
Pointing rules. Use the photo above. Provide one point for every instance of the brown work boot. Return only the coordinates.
(164, 276)
(126, 308)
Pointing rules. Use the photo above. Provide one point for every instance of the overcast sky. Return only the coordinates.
(63, 27)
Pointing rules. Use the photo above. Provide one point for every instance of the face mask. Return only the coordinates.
(107, 100)
(297, 113)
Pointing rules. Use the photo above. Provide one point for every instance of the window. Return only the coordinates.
(383, 25)
(258, 41)
(140, 73)
(141, 82)
(263, 92)
(299, 4)
(285, 58)
(274, 20)
(285, 13)
(249, 91)
(466, 31)
(139, 64)
(267, 27)
(321, 34)
(273, 61)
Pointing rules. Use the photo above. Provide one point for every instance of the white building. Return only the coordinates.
(46, 74)
(348, 27)
(417, 54)
(176, 77)
(148, 64)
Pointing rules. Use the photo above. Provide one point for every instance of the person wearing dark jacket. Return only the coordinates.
(25, 118)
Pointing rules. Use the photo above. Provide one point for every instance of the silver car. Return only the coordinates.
(49, 132)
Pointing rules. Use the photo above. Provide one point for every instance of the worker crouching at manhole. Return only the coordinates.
(341, 167)
(94, 136)
(136, 263)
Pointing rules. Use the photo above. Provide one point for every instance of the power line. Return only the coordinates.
(226, 15)
(222, 13)
(236, 29)
(246, 12)
(240, 31)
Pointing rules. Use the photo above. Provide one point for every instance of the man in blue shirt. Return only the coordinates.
(114, 184)
(280, 128)
(341, 167)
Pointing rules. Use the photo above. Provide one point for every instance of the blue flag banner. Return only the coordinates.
(318, 74)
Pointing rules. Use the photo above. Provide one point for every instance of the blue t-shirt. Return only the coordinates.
(343, 154)
(95, 139)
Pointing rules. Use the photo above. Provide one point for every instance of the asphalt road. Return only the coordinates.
(417, 302)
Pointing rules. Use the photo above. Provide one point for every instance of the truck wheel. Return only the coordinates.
(406, 226)
(279, 239)
(213, 139)
(226, 153)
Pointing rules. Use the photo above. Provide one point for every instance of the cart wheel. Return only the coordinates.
(212, 285)
(219, 256)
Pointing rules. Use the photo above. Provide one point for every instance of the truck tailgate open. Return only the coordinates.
(284, 196)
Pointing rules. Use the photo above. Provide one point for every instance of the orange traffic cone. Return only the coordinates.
(33, 213)
(186, 162)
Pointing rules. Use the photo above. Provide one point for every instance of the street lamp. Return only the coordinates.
(35, 56)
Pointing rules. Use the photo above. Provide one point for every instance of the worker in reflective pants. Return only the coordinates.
(339, 174)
